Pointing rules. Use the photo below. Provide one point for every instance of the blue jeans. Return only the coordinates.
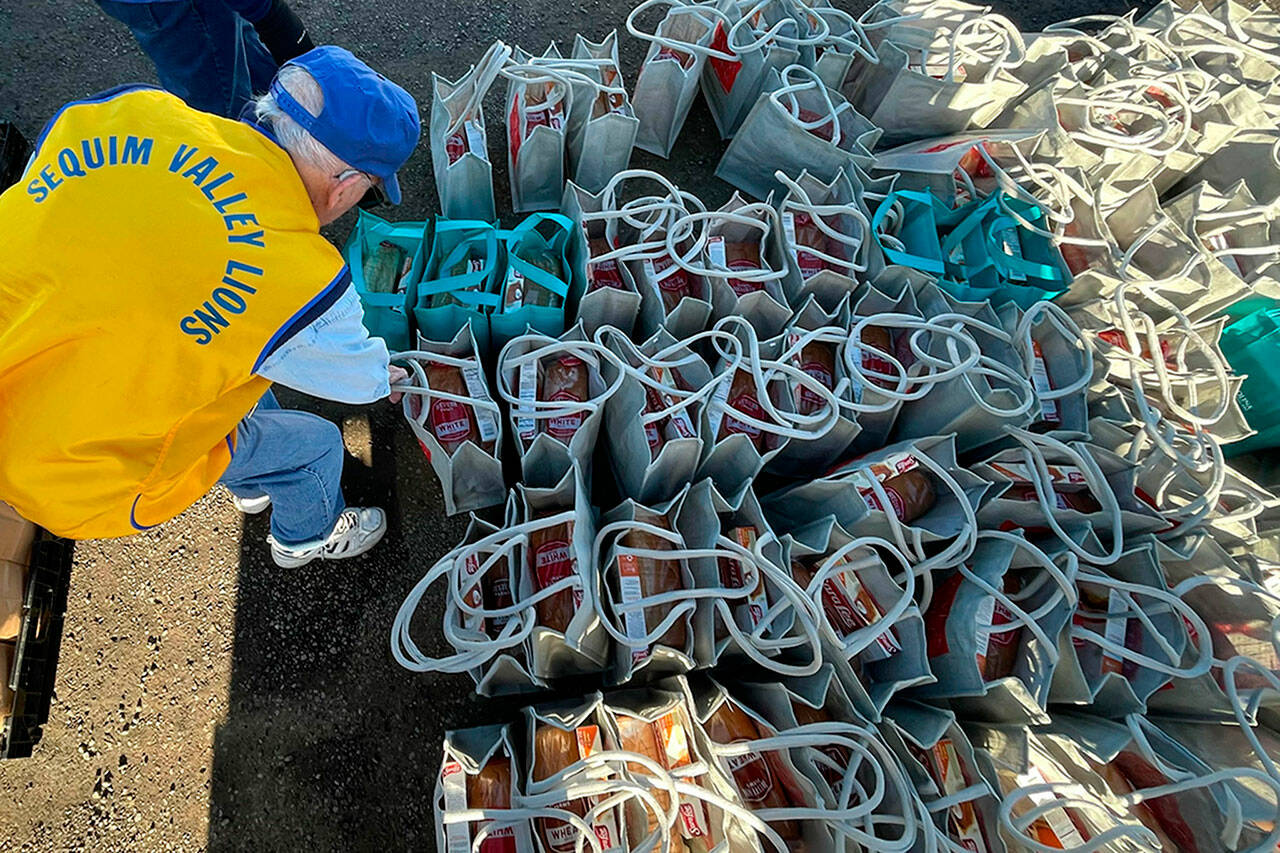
(295, 458)
(203, 51)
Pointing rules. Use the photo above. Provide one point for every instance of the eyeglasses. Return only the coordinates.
(375, 196)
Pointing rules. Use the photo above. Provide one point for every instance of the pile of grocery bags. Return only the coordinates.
(891, 504)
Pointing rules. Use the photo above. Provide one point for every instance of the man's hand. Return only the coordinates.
(395, 375)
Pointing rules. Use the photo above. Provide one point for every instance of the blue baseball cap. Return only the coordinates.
(367, 121)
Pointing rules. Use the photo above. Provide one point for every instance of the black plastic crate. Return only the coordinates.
(14, 153)
(35, 661)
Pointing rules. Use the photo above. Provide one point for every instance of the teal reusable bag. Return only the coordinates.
(921, 216)
(451, 243)
(981, 265)
(540, 231)
(386, 315)
(1252, 347)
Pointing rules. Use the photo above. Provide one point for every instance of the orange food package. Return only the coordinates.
(675, 284)
(849, 606)
(550, 559)
(750, 611)
(678, 424)
(604, 273)
(665, 741)
(565, 379)
(453, 423)
(998, 651)
(491, 789)
(818, 360)
(906, 484)
(762, 778)
(739, 257)
(804, 233)
(651, 576)
(554, 749)
(964, 822)
(743, 396)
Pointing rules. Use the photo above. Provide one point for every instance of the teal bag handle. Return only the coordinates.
(974, 215)
(924, 263)
(469, 287)
(534, 273)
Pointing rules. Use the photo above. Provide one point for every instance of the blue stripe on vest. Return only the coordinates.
(109, 94)
(307, 315)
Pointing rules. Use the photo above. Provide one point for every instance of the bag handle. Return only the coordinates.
(467, 286)
(484, 72)
(1061, 322)
(774, 33)
(783, 424)
(809, 81)
(854, 37)
(420, 387)
(798, 198)
(635, 364)
(699, 11)
(473, 649)
(908, 387)
(539, 347)
(1131, 354)
(1045, 797)
(1034, 446)
(757, 215)
(1169, 667)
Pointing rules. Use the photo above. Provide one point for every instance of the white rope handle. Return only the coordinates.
(809, 81)
(907, 387)
(798, 199)
(1132, 610)
(1070, 332)
(699, 11)
(544, 347)
(1069, 795)
(486, 71)
(757, 216)
(790, 425)
(1034, 446)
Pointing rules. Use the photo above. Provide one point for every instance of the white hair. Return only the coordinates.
(299, 83)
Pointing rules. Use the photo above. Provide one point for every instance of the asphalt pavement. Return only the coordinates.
(205, 698)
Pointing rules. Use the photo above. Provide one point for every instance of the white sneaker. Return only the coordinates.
(358, 529)
(250, 506)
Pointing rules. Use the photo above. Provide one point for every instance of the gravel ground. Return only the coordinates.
(205, 698)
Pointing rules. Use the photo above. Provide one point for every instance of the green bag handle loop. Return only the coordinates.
(907, 259)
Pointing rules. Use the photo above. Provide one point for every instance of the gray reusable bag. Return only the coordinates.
(470, 477)
(465, 182)
(652, 408)
(797, 124)
(762, 37)
(604, 304)
(961, 617)
(466, 753)
(668, 80)
(539, 104)
(829, 272)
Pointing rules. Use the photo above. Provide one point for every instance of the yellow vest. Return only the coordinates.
(153, 257)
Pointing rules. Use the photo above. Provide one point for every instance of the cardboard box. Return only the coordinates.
(13, 588)
(16, 536)
(6, 666)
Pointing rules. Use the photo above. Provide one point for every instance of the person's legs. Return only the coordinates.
(203, 51)
(294, 458)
